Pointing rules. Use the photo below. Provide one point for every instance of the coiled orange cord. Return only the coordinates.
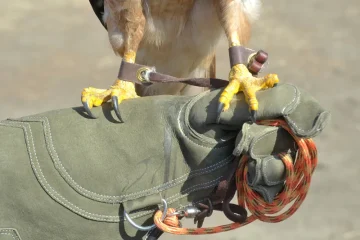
(297, 183)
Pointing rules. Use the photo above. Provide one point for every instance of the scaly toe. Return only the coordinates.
(271, 80)
(93, 97)
(241, 80)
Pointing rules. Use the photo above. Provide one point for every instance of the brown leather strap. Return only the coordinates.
(221, 198)
(221, 191)
(240, 55)
(146, 75)
(128, 72)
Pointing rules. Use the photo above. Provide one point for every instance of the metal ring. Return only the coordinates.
(250, 58)
(148, 228)
(141, 73)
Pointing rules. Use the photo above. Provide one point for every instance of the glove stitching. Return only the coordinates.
(201, 137)
(41, 178)
(257, 140)
(263, 191)
(266, 177)
(10, 232)
(191, 140)
(245, 141)
(295, 100)
(62, 200)
(256, 156)
(135, 195)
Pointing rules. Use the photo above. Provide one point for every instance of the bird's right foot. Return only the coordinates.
(94, 97)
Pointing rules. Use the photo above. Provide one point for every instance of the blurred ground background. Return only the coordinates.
(50, 50)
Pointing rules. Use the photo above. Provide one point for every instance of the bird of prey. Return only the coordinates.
(179, 38)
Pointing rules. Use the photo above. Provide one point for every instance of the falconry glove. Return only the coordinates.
(65, 175)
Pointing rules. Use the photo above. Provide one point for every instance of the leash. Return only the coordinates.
(147, 75)
(297, 183)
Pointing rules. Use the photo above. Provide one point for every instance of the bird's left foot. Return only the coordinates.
(240, 79)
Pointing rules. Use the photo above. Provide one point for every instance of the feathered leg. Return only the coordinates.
(237, 29)
(125, 23)
(212, 68)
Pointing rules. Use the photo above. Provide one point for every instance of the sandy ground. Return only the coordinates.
(50, 50)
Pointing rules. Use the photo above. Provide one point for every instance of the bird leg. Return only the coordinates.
(126, 19)
(237, 30)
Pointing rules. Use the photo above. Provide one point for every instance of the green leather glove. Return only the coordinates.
(64, 175)
(303, 114)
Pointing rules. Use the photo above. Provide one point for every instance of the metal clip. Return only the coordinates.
(188, 212)
(148, 228)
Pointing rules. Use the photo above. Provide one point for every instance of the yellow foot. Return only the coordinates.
(93, 97)
(240, 79)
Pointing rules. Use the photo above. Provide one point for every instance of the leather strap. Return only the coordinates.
(145, 75)
(240, 55)
(221, 198)
(219, 201)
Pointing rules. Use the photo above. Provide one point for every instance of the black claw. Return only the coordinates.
(253, 115)
(275, 84)
(219, 111)
(115, 102)
(87, 109)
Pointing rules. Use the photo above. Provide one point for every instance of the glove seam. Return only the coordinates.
(252, 145)
(201, 137)
(12, 232)
(307, 133)
(294, 102)
(86, 192)
(264, 167)
(244, 141)
(29, 145)
(259, 189)
(42, 179)
(256, 140)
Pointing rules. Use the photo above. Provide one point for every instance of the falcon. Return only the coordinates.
(179, 38)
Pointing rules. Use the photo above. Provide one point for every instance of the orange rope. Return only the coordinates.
(297, 183)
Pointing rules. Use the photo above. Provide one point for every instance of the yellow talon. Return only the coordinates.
(240, 79)
(123, 90)
(94, 96)
(228, 93)
(120, 91)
